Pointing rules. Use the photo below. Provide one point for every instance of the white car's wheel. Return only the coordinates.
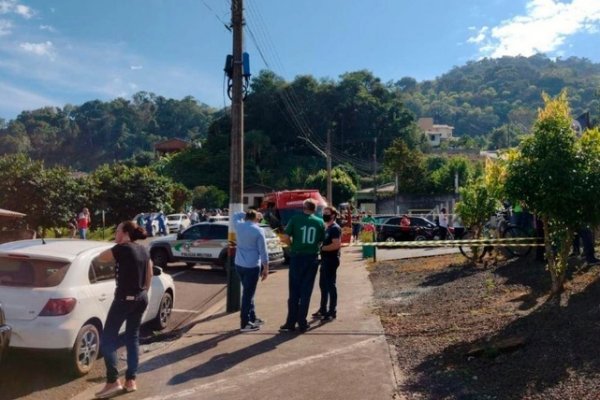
(85, 350)
(164, 312)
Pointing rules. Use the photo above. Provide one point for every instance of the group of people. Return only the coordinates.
(80, 224)
(308, 236)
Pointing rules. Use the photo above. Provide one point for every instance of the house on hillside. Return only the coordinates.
(174, 145)
(436, 134)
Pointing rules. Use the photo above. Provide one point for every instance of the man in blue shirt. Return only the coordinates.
(250, 254)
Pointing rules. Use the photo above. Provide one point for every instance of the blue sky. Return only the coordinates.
(54, 52)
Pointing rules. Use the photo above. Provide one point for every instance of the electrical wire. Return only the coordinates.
(289, 96)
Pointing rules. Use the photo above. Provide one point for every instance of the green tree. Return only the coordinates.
(342, 187)
(407, 164)
(208, 197)
(124, 191)
(550, 176)
(49, 197)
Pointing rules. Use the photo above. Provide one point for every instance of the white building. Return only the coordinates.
(435, 134)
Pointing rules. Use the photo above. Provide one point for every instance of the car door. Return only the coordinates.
(192, 242)
(392, 228)
(217, 240)
(102, 285)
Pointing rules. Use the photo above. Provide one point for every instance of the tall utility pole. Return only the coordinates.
(328, 156)
(236, 164)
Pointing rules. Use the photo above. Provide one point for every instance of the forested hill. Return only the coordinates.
(362, 114)
(86, 136)
(482, 95)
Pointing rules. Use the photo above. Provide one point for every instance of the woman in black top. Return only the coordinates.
(133, 275)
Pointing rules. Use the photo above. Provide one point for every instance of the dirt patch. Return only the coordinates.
(466, 332)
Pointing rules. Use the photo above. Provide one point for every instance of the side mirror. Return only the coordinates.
(179, 236)
(156, 271)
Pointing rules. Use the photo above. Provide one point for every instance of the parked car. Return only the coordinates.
(57, 294)
(177, 222)
(5, 332)
(206, 242)
(420, 229)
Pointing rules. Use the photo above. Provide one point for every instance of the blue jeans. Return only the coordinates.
(327, 279)
(249, 280)
(83, 233)
(121, 311)
(302, 274)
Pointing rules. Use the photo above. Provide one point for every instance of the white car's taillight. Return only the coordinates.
(56, 307)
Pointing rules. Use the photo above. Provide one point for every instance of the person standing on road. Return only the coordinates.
(330, 261)
(133, 274)
(304, 233)
(251, 254)
(443, 223)
(83, 222)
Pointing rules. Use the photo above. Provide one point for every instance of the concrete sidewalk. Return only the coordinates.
(347, 358)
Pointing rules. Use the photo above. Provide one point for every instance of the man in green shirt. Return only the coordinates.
(304, 234)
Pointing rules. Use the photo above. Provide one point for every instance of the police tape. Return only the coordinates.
(500, 242)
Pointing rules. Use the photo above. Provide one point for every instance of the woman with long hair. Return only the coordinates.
(133, 275)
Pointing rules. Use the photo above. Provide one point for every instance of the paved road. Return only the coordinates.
(32, 376)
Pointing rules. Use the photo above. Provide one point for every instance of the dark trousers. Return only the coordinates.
(302, 274)
(443, 231)
(249, 280)
(129, 311)
(327, 279)
(587, 237)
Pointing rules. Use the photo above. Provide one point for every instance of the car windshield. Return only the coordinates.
(28, 272)
(173, 217)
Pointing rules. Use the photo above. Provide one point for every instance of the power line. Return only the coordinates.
(290, 98)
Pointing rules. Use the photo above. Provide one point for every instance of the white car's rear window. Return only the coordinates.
(28, 272)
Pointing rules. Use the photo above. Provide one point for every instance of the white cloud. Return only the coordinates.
(48, 28)
(13, 7)
(544, 28)
(135, 67)
(39, 49)
(480, 37)
(5, 27)
(23, 11)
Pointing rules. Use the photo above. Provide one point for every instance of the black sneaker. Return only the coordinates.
(287, 328)
(303, 328)
(330, 316)
(319, 314)
(258, 322)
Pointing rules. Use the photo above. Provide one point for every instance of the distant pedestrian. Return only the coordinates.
(133, 275)
(83, 222)
(443, 224)
(162, 223)
(304, 233)
(251, 261)
(149, 226)
(330, 261)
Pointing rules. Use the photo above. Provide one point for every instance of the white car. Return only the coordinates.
(56, 296)
(177, 222)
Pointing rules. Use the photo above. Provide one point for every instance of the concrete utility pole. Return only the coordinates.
(328, 156)
(236, 164)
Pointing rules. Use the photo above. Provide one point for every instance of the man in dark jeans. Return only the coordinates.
(587, 237)
(304, 233)
(250, 254)
(330, 260)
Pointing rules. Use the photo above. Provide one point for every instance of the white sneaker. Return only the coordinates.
(250, 327)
